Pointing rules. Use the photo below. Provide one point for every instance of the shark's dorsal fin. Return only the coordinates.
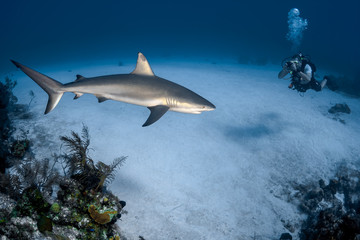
(79, 78)
(156, 113)
(142, 66)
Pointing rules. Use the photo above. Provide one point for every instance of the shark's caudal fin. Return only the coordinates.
(52, 87)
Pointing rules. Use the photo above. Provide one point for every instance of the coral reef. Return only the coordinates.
(10, 148)
(338, 110)
(19, 147)
(101, 217)
(333, 209)
(7, 100)
(285, 236)
(83, 207)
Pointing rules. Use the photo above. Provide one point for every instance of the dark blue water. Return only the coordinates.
(46, 32)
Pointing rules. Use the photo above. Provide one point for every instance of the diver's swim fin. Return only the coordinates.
(323, 82)
(283, 73)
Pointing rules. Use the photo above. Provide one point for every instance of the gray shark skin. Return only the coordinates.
(141, 87)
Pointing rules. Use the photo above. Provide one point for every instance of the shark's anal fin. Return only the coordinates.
(142, 66)
(156, 113)
(101, 98)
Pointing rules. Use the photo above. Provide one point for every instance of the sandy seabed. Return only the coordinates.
(218, 175)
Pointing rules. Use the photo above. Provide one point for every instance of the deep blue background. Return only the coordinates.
(44, 32)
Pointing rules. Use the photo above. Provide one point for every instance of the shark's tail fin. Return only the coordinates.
(52, 87)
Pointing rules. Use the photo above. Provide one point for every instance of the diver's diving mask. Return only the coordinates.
(293, 65)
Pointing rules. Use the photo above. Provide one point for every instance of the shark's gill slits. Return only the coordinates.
(171, 102)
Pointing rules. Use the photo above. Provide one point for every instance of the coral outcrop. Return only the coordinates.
(333, 209)
(82, 209)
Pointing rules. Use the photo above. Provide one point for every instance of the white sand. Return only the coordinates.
(217, 175)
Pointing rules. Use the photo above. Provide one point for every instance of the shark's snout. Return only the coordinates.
(212, 107)
(209, 107)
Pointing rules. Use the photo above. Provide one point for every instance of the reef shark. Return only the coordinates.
(140, 87)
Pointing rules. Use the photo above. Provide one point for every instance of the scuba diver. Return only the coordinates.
(302, 72)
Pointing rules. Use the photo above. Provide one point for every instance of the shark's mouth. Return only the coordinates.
(184, 110)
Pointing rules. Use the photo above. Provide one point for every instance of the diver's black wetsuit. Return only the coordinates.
(296, 85)
(295, 78)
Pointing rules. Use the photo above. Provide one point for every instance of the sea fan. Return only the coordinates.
(81, 167)
(39, 174)
(106, 173)
(11, 185)
(78, 160)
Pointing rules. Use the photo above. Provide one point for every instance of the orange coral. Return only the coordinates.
(101, 218)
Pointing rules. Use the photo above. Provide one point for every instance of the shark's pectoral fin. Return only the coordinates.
(156, 113)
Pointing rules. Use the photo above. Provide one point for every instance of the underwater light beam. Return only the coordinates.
(296, 26)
